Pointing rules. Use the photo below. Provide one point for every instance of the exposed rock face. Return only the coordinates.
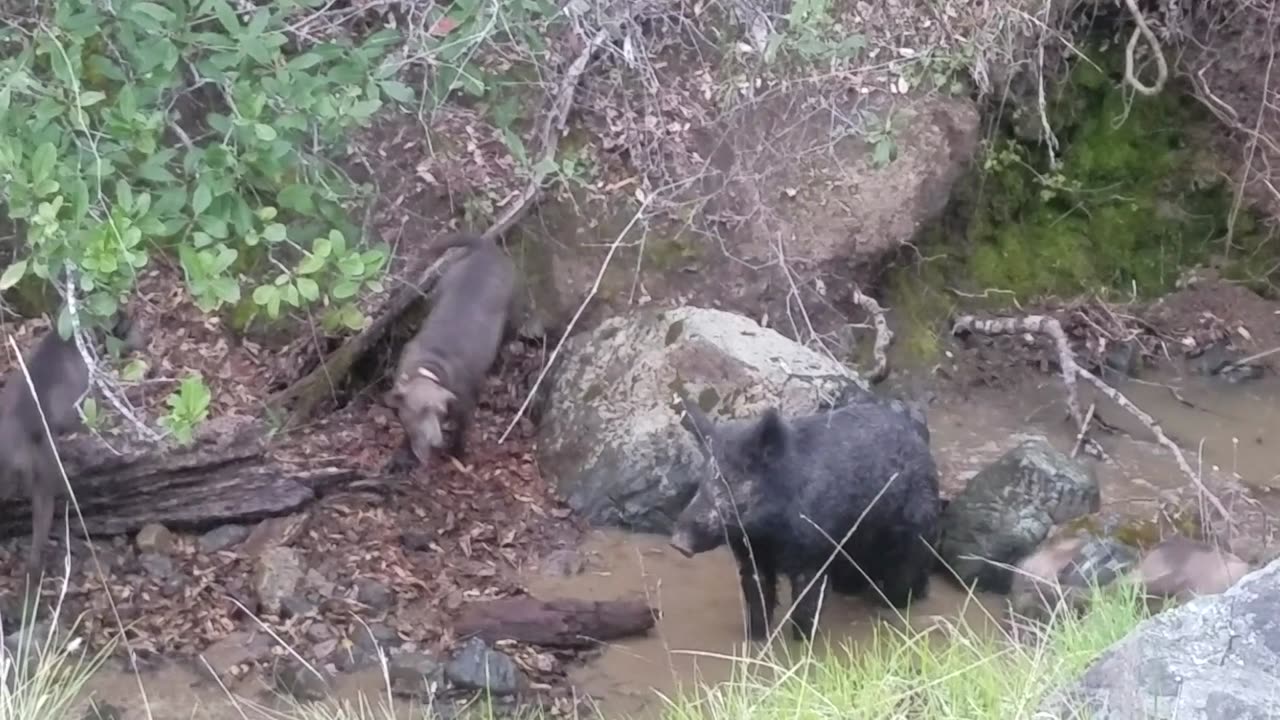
(1215, 657)
(611, 439)
(1008, 509)
(789, 177)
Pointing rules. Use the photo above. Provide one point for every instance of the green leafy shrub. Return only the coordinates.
(183, 127)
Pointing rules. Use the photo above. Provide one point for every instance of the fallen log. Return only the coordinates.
(564, 623)
(225, 477)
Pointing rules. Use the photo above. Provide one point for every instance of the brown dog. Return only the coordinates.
(1180, 569)
(27, 461)
(444, 366)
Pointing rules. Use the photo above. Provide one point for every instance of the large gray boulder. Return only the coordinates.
(1009, 508)
(1216, 657)
(611, 436)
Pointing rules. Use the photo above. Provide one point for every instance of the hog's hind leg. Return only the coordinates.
(805, 608)
(907, 568)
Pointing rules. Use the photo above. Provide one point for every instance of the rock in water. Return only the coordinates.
(612, 439)
(302, 682)
(275, 577)
(1008, 509)
(412, 674)
(477, 667)
(1215, 657)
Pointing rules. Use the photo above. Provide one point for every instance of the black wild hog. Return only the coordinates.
(1180, 569)
(443, 367)
(773, 480)
(27, 462)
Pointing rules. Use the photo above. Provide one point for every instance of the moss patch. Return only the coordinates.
(1133, 200)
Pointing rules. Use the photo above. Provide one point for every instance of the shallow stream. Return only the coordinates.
(1235, 427)
(703, 620)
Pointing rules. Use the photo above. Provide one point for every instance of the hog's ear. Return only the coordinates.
(694, 420)
(770, 436)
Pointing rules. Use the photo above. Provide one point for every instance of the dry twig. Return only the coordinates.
(1045, 325)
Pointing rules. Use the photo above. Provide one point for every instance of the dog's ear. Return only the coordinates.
(395, 395)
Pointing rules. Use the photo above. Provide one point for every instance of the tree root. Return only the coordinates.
(884, 337)
(1143, 31)
(1046, 325)
(308, 392)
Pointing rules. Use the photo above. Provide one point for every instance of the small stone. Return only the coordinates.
(322, 650)
(103, 711)
(374, 594)
(563, 563)
(416, 540)
(477, 667)
(412, 674)
(276, 575)
(235, 649)
(301, 682)
(154, 538)
(221, 538)
(318, 582)
(157, 566)
(377, 635)
(297, 605)
(270, 533)
(319, 632)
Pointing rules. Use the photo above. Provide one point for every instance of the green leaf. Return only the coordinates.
(397, 91)
(226, 16)
(13, 274)
(304, 61)
(263, 294)
(42, 161)
(344, 289)
(90, 409)
(274, 233)
(266, 133)
(352, 318)
(134, 371)
(226, 289)
(89, 98)
(308, 289)
(103, 304)
(310, 264)
(153, 168)
(351, 265)
(201, 199)
(322, 247)
(156, 12)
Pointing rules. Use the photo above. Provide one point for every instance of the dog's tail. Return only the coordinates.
(471, 241)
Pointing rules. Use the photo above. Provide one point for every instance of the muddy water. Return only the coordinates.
(703, 621)
(1236, 427)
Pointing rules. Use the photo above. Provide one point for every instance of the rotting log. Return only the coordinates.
(224, 477)
(563, 623)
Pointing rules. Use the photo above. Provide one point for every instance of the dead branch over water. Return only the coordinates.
(1050, 327)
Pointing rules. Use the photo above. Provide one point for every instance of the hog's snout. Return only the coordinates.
(683, 543)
